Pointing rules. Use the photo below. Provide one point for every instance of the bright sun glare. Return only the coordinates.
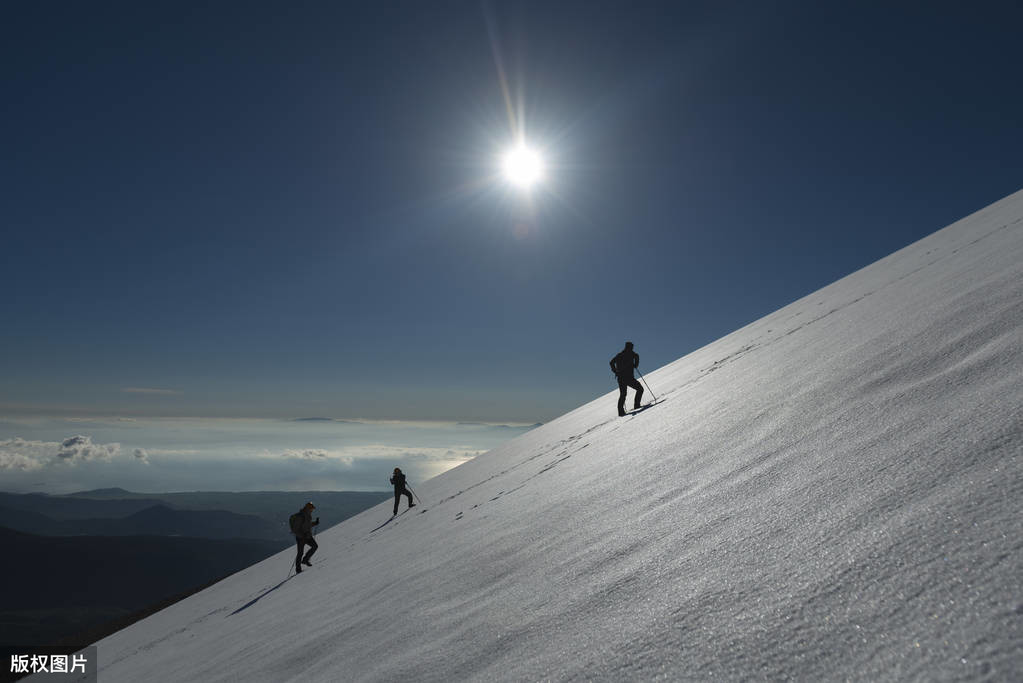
(522, 166)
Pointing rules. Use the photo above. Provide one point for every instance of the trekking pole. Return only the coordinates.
(647, 385)
(414, 494)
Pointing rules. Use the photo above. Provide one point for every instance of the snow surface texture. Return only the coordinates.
(831, 492)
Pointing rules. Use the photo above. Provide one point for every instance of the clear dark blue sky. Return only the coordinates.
(288, 209)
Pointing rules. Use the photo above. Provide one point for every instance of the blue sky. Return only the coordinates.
(276, 211)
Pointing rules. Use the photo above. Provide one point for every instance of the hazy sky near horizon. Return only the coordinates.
(154, 455)
(278, 211)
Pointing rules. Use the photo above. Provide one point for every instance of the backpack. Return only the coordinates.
(295, 522)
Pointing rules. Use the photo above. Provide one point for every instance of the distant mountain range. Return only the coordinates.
(55, 587)
(200, 514)
(84, 564)
(71, 507)
(156, 520)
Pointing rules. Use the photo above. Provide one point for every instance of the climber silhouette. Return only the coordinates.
(623, 365)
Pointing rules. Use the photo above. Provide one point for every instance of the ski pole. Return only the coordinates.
(647, 385)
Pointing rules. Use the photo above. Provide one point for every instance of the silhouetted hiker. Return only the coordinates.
(622, 366)
(302, 524)
(398, 479)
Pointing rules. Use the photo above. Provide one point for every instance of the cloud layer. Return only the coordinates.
(348, 456)
(60, 455)
(20, 454)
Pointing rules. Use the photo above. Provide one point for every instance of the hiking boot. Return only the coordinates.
(298, 570)
(306, 563)
(411, 505)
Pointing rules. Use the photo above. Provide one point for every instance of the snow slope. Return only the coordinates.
(831, 492)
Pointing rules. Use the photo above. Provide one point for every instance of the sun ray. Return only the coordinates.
(502, 78)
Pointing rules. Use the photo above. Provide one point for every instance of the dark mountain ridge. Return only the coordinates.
(56, 586)
(155, 520)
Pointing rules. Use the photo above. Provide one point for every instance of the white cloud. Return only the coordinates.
(36, 450)
(82, 448)
(440, 455)
(141, 455)
(318, 454)
(20, 454)
(16, 461)
(309, 453)
(348, 456)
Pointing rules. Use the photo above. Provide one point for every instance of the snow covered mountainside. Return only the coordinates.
(834, 491)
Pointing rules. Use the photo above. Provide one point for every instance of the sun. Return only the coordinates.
(522, 166)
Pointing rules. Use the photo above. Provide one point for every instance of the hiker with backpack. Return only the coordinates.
(623, 365)
(302, 524)
(398, 480)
